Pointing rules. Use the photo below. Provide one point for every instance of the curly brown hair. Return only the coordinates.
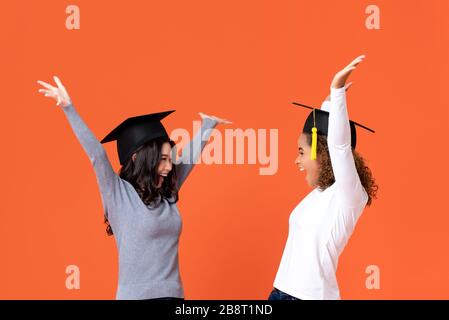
(326, 177)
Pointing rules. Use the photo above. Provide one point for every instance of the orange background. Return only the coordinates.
(245, 61)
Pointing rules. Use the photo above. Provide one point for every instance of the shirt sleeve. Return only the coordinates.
(350, 191)
(108, 181)
(191, 152)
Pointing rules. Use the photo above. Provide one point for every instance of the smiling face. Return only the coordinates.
(304, 163)
(165, 164)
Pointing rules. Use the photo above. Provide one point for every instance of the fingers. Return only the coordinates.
(341, 76)
(356, 61)
(220, 121)
(58, 82)
(350, 69)
(348, 86)
(48, 93)
(46, 85)
(346, 72)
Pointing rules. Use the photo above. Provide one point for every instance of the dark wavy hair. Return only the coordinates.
(142, 174)
(326, 177)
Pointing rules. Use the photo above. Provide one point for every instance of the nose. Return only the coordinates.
(297, 160)
(168, 166)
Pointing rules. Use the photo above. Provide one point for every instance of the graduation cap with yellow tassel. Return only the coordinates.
(317, 123)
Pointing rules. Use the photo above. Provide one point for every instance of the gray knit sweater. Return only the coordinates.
(146, 237)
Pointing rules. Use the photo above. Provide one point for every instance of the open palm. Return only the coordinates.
(342, 76)
(58, 93)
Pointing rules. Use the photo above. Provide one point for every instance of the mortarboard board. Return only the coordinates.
(134, 132)
(318, 121)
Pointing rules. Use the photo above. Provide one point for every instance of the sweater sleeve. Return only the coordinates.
(350, 191)
(108, 181)
(191, 152)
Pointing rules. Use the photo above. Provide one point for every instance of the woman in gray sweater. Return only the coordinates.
(140, 202)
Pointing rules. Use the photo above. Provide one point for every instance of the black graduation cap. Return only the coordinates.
(134, 132)
(322, 122)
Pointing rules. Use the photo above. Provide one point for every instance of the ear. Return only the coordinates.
(133, 157)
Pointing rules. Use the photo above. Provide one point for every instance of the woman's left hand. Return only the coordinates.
(219, 120)
(342, 76)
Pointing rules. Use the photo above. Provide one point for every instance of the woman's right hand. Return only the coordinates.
(58, 93)
(340, 78)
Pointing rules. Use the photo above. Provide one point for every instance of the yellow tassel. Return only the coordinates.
(314, 143)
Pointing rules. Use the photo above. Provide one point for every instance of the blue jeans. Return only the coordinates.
(279, 295)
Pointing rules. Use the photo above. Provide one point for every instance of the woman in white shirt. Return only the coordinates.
(322, 223)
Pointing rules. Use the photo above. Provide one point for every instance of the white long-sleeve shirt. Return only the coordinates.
(322, 223)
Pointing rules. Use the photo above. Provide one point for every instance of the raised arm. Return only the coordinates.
(349, 187)
(107, 179)
(191, 152)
